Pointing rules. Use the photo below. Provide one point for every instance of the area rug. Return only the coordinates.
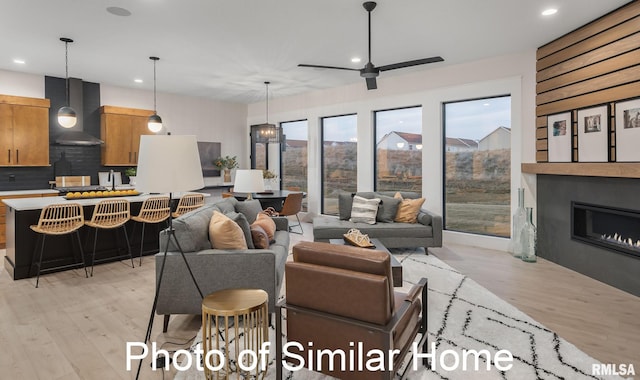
(464, 316)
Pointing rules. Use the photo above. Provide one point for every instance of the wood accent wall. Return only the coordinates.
(596, 64)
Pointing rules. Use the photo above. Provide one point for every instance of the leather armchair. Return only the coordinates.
(339, 296)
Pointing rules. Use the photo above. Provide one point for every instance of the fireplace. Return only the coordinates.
(612, 228)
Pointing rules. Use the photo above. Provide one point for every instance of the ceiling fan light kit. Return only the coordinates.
(370, 72)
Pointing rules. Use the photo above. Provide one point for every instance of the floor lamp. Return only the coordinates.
(168, 164)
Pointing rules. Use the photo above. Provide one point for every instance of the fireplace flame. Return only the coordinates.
(618, 239)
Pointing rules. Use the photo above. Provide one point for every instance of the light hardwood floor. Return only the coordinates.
(77, 328)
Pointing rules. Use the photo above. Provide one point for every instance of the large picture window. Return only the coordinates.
(294, 157)
(477, 166)
(339, 159)
(398, 136)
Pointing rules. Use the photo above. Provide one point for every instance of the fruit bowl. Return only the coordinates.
(102, 194)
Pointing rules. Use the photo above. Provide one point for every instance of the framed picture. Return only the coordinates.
(559, 137)
(208, 152)
(593, 134)
(628, 131)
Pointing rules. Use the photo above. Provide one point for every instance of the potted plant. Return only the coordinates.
(270, 179)
(226, 163)
(131, 173)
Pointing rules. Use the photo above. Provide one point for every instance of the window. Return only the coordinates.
(398, 136)
(339, 149)
(477, 166)
(294, 157)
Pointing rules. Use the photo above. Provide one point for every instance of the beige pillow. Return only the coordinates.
(408, 209)
(268, 225)
(260, 237)
(224, 233)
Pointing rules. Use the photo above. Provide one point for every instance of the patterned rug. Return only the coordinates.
(465, 316)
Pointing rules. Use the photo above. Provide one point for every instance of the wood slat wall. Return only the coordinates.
(596, 64)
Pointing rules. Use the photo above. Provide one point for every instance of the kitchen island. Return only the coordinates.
(59, 251)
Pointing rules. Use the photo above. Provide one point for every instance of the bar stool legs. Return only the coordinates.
(41, 238)
(95, 240)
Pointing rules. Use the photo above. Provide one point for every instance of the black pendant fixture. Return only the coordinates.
(67, 117)
(269, 132)
(155, 122)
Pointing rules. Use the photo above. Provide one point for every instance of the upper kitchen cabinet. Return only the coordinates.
(24, 131)
(121, 128)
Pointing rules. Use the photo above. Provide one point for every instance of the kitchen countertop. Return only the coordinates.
(38, 203)
(27, 192)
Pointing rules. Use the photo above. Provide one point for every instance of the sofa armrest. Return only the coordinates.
(429, 218)
(282, 223)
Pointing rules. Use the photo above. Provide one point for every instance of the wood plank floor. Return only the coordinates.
(77, 328)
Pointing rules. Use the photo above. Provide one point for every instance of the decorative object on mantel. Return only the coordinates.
(528, 238)
(271, 180)
(155, 122)
(131, 173)
(67, 117)
(559, 137)
(225, 164)
(593, 134)
(519, 220)
(628, 131)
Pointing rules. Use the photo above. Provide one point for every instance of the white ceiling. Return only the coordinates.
(226, 49)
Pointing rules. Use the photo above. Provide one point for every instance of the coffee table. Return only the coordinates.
(396, 267)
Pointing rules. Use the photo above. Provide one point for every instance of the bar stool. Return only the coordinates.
(109, 214)
(154, 210)
(58, 219)
(188, 202)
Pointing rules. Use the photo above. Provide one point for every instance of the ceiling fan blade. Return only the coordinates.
(327, 67)
(410, 63)
(371, 83)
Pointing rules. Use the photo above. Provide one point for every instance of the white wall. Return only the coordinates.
(20, 84)
(512, 74)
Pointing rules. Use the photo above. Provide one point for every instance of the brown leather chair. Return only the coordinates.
(292, 206)
(338, 296)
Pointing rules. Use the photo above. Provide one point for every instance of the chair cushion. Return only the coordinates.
(250, 209)
(224, 233)
(241, 220)
(259, 237)
(364, 210)
(263, 220)
(408, 209)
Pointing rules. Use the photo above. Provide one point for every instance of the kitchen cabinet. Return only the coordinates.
(24, 131)
(14, 195)
(120, 129)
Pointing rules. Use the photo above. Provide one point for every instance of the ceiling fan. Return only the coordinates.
(369, 72)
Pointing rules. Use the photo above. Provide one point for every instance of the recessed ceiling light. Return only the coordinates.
(19, 61)
(355, 60)
(118, 11)
(137, 80)
(549, 12)
(486, 104)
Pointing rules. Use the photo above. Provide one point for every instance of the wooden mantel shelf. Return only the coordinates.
(587, 169)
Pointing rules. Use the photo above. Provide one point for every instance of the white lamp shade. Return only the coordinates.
(248, 181)
(168, 164)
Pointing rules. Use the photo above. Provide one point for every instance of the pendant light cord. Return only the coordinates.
(66, 68)
(155, 111)
(267, 85)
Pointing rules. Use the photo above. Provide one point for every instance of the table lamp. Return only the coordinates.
(248, 181)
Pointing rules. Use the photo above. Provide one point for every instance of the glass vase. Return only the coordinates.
(528, 238)
(519, 220)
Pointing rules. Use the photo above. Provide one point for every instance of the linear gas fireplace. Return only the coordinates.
(612, 228)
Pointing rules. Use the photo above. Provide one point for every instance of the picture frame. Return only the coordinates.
(208, 152)
(593, 134)
(627, 115)
(560, 137)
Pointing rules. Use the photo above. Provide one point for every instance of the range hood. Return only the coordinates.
(76, 135)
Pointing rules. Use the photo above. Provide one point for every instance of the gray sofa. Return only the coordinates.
(426, 233)
(216, 269)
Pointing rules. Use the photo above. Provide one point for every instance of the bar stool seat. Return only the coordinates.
(58, 219)
(110, 214)
(188, 202)
(154, 210)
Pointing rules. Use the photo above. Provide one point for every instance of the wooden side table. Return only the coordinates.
(248, 310)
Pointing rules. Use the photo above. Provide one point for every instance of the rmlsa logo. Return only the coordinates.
(612, 369)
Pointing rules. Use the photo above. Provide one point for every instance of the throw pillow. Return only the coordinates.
(260, 237)
(408, 209)
(250, 209)
(224, 233)
(263, 220)
(387, 209)
(241, 220)
(364, 210)
(345, 202)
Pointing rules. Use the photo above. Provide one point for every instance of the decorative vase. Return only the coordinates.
(227, 175)
(528, 238)
(132, 180)
(519, 220)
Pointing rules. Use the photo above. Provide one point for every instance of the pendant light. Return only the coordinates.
(269, 132)
(155, 122)
(67, 117)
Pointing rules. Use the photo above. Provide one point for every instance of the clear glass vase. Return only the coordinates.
(519, 220)
(528, 238)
